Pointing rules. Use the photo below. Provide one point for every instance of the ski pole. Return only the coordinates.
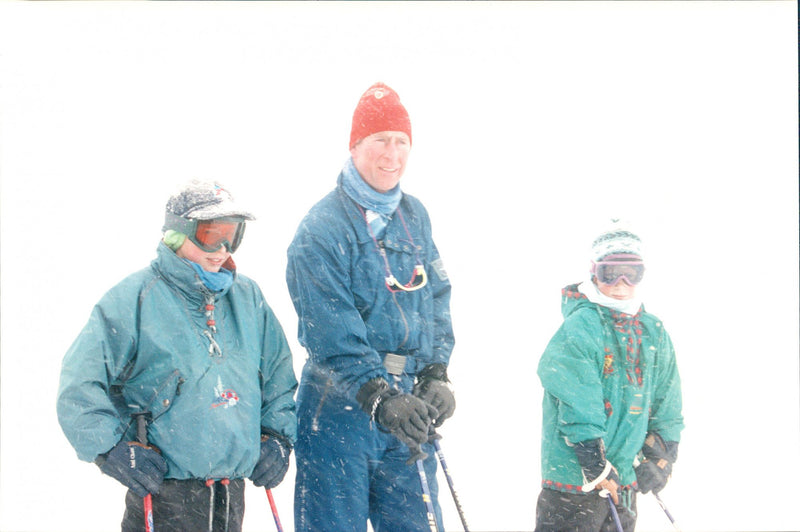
(436, 437)
(666, 511)
(417, 455)
(614, 513)
(274, 510)
(141, 436)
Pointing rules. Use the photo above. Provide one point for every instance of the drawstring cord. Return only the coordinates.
(211, 492)
(213, 348)
(225, 483)
(210, 484)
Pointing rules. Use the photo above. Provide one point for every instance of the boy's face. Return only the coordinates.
(621, 291)
(210, 262)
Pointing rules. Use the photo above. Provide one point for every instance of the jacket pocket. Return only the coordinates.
(165, 394)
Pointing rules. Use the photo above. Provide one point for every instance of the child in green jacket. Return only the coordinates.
(612, 396)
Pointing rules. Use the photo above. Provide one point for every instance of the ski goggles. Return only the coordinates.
(612, 272)
(209, 235)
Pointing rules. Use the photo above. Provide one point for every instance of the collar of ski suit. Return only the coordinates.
(593, 294)
(182, 275)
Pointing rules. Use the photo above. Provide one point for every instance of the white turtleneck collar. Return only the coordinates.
(593, 294)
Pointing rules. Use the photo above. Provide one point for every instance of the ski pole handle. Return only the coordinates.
(141, 436)
(417, 454)
(274, 510)
(141, 426)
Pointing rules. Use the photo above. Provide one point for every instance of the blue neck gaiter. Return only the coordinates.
(214, 281)
(379, 206)
(366, 196)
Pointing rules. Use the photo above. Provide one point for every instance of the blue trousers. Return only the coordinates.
(349, 471)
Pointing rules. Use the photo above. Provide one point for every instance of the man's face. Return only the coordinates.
(381, 158)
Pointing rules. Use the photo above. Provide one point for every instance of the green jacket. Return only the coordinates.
(214, 370)
(606, 375)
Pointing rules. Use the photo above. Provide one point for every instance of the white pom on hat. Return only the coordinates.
(617, 238)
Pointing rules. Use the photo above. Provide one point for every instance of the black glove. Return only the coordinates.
(654, 472)
(591, 456)
(140, 468)
(403, 415)
(273, 462)
(432, 387)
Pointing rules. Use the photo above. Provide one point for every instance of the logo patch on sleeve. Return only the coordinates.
(438, 267)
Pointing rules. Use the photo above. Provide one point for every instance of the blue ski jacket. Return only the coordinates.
(213, 369)
(348, 318)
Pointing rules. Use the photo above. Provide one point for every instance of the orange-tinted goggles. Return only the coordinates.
(209, 235)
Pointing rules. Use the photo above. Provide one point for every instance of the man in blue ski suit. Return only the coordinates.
(372, 298)
(195, 345)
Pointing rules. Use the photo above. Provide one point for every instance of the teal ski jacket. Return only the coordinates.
(213, 369)
(605, 375)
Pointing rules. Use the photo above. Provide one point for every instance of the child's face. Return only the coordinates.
(210, 262)
(622, 290)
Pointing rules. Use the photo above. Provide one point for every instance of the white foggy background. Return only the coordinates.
(532, 123)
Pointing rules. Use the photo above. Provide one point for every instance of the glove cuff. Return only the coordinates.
(656, 449)
(372, 393)
(591, 456)
(433, 372)
(269, 433)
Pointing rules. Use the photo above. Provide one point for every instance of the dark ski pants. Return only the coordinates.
(575, 512)
(349, 471)
(185, 506)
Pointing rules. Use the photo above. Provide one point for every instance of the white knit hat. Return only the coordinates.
(616, 238)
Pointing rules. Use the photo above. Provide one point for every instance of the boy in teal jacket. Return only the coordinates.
(193, 345)
(612, 396)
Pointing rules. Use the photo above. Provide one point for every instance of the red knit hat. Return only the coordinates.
(379, 109)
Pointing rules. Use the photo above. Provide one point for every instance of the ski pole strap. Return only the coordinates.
(588, 487)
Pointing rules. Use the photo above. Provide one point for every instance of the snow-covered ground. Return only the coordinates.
(532, 123)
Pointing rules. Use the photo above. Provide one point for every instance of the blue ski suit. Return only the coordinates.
(212, 368)
(348, 469)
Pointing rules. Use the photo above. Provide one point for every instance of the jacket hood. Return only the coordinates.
(572, 299)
